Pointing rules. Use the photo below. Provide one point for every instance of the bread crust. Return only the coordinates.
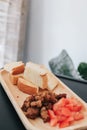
(18, 69)
(27, 87)
(44, 82)
(14, 78)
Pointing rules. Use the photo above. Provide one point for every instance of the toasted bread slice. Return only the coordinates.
(27, 87)
(40, 76)
(15, 67)
(14, 78)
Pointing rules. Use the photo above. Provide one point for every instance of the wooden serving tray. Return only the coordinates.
(17, 98)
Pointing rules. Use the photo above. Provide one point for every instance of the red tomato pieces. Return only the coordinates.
(64, 124)
(78, 116)
(65, 112)
(51, 114)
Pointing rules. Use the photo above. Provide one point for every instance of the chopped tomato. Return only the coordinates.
(51, 114)
(78, 116)
(70, 119)
(69, 106)
(77, 108)
(61, 118)
(53, 121)
(64, 124)
(58, 111)
(61, 103)
(65, 112)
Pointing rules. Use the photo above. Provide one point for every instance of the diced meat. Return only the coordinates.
(25, 106)
(44, 114)
(36, 104)
(60, 96)
(32, 113)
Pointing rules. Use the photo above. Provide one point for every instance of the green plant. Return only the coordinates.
(82, 68)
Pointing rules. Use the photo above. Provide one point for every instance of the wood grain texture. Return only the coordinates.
(17, 97)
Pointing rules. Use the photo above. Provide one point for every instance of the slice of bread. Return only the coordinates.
(15, 67)
(14, 78)
(27, 87)
(36, 74)
(52, 81)
(40, 76)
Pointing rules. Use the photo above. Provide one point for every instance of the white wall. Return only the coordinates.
(34, 36)
(55, 25)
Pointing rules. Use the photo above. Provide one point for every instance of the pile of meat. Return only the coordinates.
(37, 105)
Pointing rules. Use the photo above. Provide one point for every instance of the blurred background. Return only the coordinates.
(46, 28)
(54, 25)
